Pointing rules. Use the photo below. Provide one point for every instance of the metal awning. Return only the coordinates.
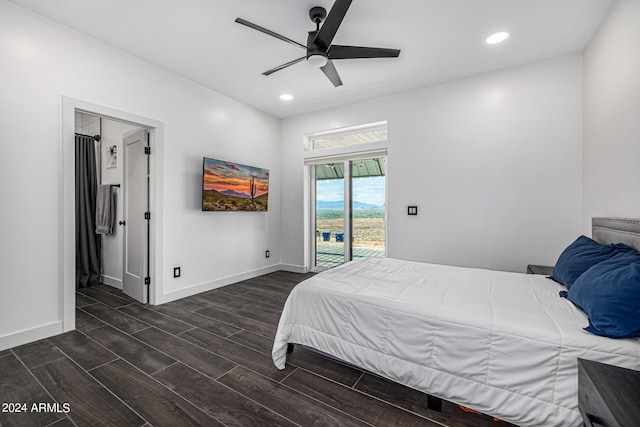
(360, 169)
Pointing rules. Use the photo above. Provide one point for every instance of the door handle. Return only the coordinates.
(121, 222)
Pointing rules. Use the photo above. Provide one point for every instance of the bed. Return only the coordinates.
(501, 343)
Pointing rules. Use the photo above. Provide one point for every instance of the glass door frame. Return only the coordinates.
(348, 202)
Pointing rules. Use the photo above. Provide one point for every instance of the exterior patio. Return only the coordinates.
(331, 255)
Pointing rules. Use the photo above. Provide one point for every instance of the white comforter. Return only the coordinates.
(502, 343)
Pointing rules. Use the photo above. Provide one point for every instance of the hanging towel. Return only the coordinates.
(104, 210)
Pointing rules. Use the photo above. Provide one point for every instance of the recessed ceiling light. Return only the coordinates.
(286, 97)
(497, 37)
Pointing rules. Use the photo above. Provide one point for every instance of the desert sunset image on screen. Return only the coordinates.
(228, 186)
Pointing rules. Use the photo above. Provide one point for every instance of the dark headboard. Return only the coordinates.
(616, 230)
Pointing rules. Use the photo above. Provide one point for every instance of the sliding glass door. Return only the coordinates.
(349, 211)
(330, 218)
(368, 204)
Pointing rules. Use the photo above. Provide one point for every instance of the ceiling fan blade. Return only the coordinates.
(269, 32)
(330, 71)
(280, 67)
(349, 52)
(332, 23)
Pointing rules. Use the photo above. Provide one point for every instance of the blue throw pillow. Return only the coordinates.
(579, 256)
(609, 293)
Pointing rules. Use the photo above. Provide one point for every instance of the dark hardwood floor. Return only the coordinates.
(203, 360)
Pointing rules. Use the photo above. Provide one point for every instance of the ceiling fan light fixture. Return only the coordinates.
(317, 60)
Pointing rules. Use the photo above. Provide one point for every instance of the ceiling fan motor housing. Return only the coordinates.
(314, 48)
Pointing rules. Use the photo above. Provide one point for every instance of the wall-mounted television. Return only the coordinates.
(229, 186)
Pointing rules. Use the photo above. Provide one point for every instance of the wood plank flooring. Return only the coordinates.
(203, 360)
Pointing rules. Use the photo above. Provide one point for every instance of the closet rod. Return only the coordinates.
(96, 137)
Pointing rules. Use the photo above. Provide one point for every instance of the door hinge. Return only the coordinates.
(147, 150)
(147, 216)
(147, 280)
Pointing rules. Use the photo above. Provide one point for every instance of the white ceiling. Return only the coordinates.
(441, 40)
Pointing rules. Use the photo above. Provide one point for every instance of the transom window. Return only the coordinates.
(366, 134)
(353, 139)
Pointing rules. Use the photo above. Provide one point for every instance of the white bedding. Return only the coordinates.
(502, 343)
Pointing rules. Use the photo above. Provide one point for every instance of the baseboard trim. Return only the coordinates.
(218, 283)
(26, 336)
(294, 268)
(111, 281)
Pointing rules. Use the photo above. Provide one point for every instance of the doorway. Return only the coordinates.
(151, 265)
(123, 168)
(349, 210)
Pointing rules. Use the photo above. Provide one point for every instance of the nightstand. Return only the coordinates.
(539, 269)
(608, 395)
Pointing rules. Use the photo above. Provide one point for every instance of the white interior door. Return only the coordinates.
(136, 204)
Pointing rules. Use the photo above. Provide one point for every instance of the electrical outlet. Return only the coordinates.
(176, 272)
(266, 254)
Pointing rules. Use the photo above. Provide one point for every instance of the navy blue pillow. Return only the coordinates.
(609, 293)
(579, 256)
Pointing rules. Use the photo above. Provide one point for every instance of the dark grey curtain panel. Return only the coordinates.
(87, 241)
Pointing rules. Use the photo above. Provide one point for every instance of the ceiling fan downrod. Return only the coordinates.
(317, 15)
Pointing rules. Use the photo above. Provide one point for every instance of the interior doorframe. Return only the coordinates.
(66, 166)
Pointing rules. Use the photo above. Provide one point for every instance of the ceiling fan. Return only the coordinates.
(320, 51)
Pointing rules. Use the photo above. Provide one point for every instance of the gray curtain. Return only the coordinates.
(87, 241)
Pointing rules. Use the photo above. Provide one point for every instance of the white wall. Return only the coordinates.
(493, 163)
(612, 116)
(39, 62)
